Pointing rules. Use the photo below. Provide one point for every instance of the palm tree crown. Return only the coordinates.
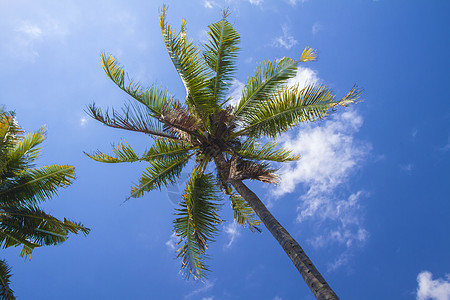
(22, 188)
(207, 128)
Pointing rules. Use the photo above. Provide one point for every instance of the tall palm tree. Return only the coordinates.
(206, 128)
(22, 188)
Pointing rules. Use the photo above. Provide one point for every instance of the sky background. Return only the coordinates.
(368, 201)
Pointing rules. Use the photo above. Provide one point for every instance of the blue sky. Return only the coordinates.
(368, 201)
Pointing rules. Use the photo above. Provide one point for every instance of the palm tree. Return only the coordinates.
(206, 128)
(22, 188)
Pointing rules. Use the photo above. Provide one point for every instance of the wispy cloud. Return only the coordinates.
(83, 121)
(256, 2)
(316, 28)
(446, 147)
(172, 242)
(294, 2)
(206, 286)
(286, 40)
(438, 289)
(232, 230)
(407, 168)
(32, 31)
(209, 4)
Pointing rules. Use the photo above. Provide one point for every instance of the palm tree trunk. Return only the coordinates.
(304, 265)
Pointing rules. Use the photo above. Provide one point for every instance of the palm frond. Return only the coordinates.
(10, 135)
(167, 149)
(190, 66)
(38, 227)
(9, 130)
(132, 118)
(6, 293)
(309, 54)
(196, 222)
(243, 214)
(267, 79)
(123, 152)
(289, 106)
(35, 185)
(247, 169)
(252, 150)
(159, 173)
(17, 238)
(156, 99)
(220, 54)
(26, 151)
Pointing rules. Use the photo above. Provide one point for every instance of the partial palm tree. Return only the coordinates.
(207, 128)
(22, 188)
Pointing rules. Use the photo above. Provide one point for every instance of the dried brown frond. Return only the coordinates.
(247, 169)
(178, 121)
(132, 117)
(223, 122)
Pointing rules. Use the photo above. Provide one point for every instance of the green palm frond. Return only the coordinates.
(253, 150)
(220, 54)
(309, 54)
(243, 214)
(156, 99)
(289, 106)
(132, 118)
(36, 226)
(167, 149)
(196, 222)
(190, 66)
(26, 151)
(268, 78)
(123, 152)
(16, 238)
(6, 293)
(35, 185)
(159, 173)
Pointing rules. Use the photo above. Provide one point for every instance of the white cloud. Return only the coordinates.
(31, 30)
(207, 285)
(256, 2)
(304, 77)
(83, 121)
(209, 4)
(233, 232)
(286, 40)
(316, 28)
(209, 298)
(277, 298)
(414, 132)
(172, 242)
(344, 226)
(408, 168)
(446, 147)
(329, 154)
(438, 289)
(294, 2)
